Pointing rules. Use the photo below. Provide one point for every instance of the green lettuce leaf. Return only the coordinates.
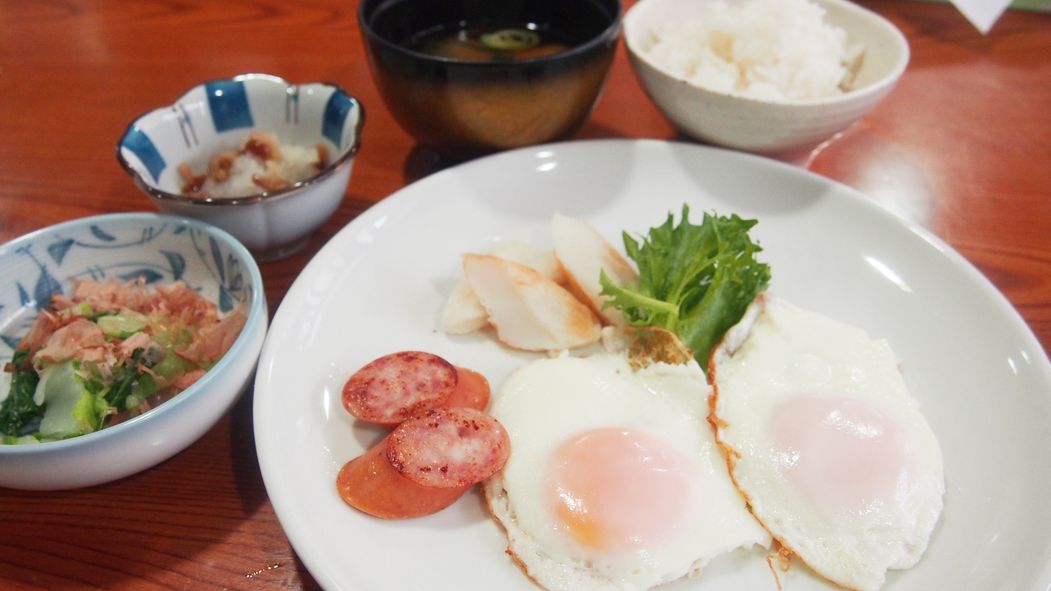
(694, 280)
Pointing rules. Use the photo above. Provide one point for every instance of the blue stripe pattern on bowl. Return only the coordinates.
(140, 144)
(228, 102)
(336, 110)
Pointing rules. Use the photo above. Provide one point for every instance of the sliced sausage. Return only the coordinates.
(425, 464)
(472, 390)
(396, 386)
(448, 447)
(370, 484)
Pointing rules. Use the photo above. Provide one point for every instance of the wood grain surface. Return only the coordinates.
(962, 146)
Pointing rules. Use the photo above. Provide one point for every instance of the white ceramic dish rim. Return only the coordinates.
(347, 551)
(869, 89)
(266, 196)
(257, 310)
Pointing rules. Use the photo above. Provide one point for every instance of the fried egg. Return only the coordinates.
(614, 479)
(826, 443)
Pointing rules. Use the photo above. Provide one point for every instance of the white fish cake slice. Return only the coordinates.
(529, 311)
(464, 313)
(583, 253)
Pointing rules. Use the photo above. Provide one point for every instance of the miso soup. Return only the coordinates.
(489, 42)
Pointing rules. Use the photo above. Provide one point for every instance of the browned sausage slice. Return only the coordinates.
(448, 447)
(396, 386)
(425, 464)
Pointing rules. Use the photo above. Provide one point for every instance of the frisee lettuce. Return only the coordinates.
(695, 281)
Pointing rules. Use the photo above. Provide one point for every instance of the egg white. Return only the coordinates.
(544, 403)
(848, 519)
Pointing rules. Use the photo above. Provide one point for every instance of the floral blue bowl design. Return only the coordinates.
(162, 249)
(215, 117)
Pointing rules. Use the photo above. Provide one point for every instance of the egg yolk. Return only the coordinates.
(614, 490)
(844, 453)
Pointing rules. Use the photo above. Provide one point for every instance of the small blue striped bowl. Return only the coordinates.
(216, 116)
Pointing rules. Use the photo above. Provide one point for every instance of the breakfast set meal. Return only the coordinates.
(681, 411)
(678, 409)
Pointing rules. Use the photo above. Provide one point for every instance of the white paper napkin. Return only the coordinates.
(982, 13)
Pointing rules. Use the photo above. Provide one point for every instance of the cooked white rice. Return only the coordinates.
(765, 49)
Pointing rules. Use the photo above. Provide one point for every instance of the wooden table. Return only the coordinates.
(962, 146)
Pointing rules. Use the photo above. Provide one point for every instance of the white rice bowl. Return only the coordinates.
(783, 56)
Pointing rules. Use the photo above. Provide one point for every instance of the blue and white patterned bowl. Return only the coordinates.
(162, 249)
(215, 117)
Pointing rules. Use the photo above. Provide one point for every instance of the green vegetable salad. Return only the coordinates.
(107, 354)
(694, 280)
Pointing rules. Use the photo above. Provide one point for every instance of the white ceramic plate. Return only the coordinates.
(983, 380)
